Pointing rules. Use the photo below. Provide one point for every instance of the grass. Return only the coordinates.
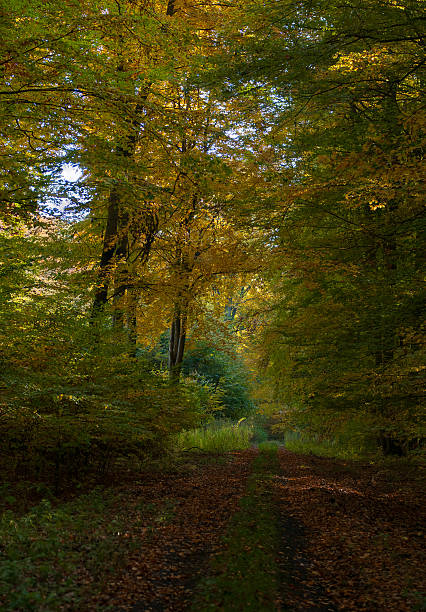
(54, 557)
(340, 447)
(244, 576)
(354, 448)
(323, 449)
(216, 437)
(269, 445)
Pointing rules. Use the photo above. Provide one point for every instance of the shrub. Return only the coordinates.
(82, 409)
(222, 371)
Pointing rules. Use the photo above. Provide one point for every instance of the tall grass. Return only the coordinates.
(216, 437)
(341, 447)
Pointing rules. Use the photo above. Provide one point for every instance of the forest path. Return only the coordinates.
(174, 554)
(353, 535)
(350, 536)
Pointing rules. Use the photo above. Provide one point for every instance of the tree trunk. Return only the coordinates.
(132, 320)
(108, 251)
(177, 342)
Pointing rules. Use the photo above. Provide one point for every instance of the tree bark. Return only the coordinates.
(112, 250)
(178, 330)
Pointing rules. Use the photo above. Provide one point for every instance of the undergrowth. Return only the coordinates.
(55, 557)
(216, 437)
(269, 445)
(345, 448)
(350, 450)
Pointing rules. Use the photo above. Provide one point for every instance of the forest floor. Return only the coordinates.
(313, 533)
(350, 536)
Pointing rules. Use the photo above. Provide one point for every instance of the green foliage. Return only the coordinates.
(73, 397)
(204, 397)
(325, 433)
(344, 156)
(341, 447)
(260, 434)
(55, 556)
(223, 371)
(216, 437)
(269, 445)
(91, 426)
(351, 447)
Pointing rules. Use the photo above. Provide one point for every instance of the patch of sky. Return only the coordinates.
(68, 198)
(71, 172)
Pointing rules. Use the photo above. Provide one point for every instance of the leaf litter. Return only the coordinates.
(351, 535)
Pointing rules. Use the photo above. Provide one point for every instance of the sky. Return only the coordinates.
(71, 173)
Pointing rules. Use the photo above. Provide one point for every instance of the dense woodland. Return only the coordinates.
(210, 212)
(232, 194)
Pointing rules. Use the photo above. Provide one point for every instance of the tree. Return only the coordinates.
(132, 169)
(343, 81)
(33, 101)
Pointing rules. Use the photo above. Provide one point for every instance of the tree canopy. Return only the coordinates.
(251, 186)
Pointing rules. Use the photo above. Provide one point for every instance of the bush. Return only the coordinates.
(58, 446)
(225, 372)
(222, 371)
(77, 406)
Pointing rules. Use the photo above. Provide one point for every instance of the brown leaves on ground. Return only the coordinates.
(355, 535)
(352, 535)
(173, 553)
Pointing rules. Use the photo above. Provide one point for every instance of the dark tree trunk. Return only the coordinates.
(116, 236)
(108, 252)
(177, 342)
(132, 319)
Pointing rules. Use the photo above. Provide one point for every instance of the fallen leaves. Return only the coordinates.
(359, 548)
(170, 559)
(351, 536)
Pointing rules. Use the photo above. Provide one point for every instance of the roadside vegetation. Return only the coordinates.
(55, 555)
(352, 444)
(217, 437)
